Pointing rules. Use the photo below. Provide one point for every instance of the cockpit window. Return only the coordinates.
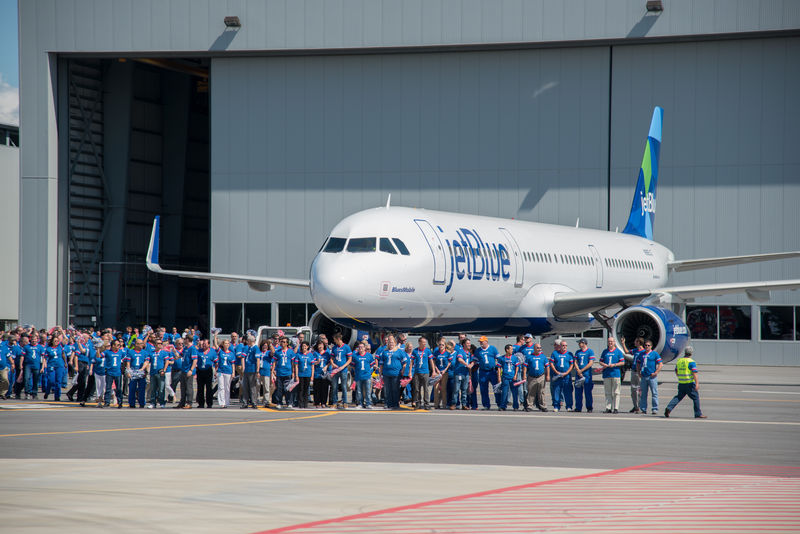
(401, 247)
(386, 246)
(334, 244)
(361, 244)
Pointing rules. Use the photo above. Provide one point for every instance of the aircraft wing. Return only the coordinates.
(573, 304)
(710, 263)
(259, 283)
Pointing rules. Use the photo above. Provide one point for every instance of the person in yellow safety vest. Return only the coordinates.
(686, 370)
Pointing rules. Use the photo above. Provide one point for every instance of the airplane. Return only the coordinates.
(425, 271)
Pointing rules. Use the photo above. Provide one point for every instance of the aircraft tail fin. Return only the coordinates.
(643, 208)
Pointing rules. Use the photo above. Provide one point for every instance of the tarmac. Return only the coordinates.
(200, 470)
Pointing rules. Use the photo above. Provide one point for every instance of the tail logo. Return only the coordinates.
(648, 203)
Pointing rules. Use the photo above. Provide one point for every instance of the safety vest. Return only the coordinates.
(685, 375)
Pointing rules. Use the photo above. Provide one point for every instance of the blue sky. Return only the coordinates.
(9, 63)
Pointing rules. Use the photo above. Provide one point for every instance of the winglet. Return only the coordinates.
(643, 208)
(152, 250)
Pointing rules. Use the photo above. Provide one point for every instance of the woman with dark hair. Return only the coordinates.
(322, 383)
(266, 350)
(304, 363)
(56, 366)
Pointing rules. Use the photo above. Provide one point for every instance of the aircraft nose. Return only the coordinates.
(330, 285)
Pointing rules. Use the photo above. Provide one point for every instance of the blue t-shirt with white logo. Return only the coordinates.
(561, 362)
(225, 361)
(460, 361)
(442, 360)
(322, 363)
(112, 362)
(32, 357)
(420, 359)
(363, 365)
(611, 358)
(54, 359)
(158, 361)
(536, 363)
(509, 365)
(648, 362)
(392, 362)
(486, 358)
(305, 364)
(340, 354)
(283, 362)
(583, 357)
(205, 359)
(135, 359)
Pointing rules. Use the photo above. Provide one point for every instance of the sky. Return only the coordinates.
(9, 63)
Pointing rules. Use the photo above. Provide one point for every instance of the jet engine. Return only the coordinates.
(320, 324)
(666, 330)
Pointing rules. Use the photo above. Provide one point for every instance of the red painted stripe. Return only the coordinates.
(450, 499)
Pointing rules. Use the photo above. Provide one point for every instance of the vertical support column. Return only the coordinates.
(116, 142)
(38, 213)
(62, 258)
(175, 92)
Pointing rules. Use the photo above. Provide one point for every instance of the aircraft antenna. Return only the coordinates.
(578, 223)
(388, 201)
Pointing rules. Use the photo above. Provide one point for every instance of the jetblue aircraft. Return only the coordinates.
(397, 268)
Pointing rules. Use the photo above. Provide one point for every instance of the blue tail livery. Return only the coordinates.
(643, 208)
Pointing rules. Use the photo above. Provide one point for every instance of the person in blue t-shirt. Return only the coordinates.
(486, 359)
(97, 370)
(5, 365)
(584, 360)
(561, 363)
(636, 378)
(536, 373)
(112, 363)
(205, 373)
(304, 362)
(444, 370)
(611, 361)
(649, 364)
(226, 367)
(364, 363)
(507, 369)
(461, 366)
(341, 356)
(393, 365)
(136, 362)
(56, 368)
(322, 383)
(421, 365)
(250, 357)
(188, 363)
(157, 362)
(283, 372)
(80, 365)
(32, 365)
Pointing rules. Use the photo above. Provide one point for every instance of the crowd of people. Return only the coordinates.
(148, 368)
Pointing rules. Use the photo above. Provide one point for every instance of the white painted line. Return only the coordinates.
(771, 392)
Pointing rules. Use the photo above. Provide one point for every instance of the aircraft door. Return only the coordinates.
(437, 249)
(598, 265)
(519, 265)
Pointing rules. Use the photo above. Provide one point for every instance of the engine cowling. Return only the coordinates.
(321, 324)
(666, 330)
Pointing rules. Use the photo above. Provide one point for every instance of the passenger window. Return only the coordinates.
(335, 244)
(386, 246)
(361, 244)
(401, 247)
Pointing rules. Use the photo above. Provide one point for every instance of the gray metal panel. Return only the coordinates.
(197, 25)
(9, 222)
(300, 143)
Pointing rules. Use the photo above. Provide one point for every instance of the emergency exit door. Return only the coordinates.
(516, 259)
(598, 265)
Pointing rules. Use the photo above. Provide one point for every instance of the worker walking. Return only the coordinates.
(688, 384)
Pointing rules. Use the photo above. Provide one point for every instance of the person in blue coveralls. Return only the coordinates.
(341, 357)
(648, 364)
(442, 366)
(56, 367)
(157, 362)
(112, 363)
(421, 358)
(584, 360)
(364, 363)
(136, 362)
(486, 359)
(393, 365)
(561, 363)
(611, 361)
(506, 372)
(304, 363)
(283, 372)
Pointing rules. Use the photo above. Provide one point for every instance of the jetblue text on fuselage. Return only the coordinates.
(468, 263)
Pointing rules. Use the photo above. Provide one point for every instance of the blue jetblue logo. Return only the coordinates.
(472, 258)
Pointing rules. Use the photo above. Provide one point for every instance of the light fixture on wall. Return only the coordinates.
(655, 6)
(234, 22)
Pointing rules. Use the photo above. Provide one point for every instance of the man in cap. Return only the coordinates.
(536, 373)
(611, 361)
(486, 357)
(688, 384)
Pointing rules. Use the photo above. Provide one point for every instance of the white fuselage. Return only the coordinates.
(474, 274)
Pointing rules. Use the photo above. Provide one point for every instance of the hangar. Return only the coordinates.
(253, 126)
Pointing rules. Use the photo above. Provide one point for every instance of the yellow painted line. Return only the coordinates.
(12, 410)
(168, 427)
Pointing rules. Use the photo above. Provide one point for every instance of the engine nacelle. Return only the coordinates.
(321, 324)
(665, 329)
